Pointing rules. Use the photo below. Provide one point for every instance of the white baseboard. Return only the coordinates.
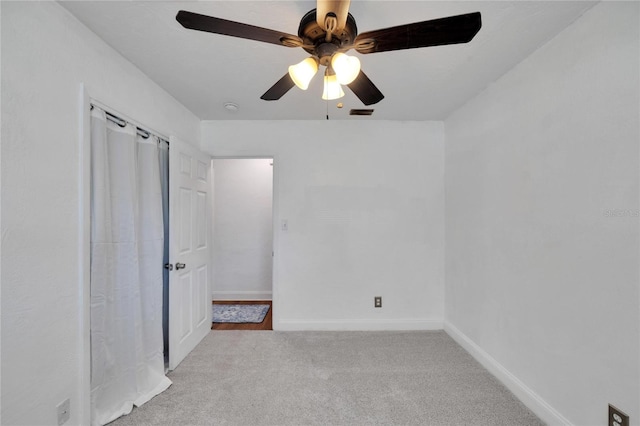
(241, 295)
(528, 397)
(358, 325)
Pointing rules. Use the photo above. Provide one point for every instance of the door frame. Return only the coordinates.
(275, 217)
(84, 255)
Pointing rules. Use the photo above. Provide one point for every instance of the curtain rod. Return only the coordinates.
(145, 134)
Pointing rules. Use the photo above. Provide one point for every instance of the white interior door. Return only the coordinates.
(189, 292)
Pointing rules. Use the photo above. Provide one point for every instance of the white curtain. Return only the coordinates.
(127, 238)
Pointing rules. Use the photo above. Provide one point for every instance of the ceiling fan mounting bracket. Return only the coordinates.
(290, 41)
(330, 25)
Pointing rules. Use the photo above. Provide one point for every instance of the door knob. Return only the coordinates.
(180, 265)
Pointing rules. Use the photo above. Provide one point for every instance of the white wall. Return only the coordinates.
(46, 55)
(242, 229)
(364, 205)
(539, 276)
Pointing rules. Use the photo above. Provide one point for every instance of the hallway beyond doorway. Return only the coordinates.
(266, 324)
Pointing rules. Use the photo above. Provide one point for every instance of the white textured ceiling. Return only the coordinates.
(203, 70)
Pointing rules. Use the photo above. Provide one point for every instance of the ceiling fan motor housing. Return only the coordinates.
(314, 35)
(325, 51)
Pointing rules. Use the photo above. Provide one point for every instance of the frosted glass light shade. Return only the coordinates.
(303, 72)
(346, 67)
(332, 89)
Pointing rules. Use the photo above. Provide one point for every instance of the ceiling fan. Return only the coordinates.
(329, 31)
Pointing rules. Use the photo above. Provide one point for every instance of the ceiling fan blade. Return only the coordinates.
(365, 90)
(340, 8)
(279, 89)
(436, 32)
(195, 21)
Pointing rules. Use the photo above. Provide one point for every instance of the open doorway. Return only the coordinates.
(242, 250)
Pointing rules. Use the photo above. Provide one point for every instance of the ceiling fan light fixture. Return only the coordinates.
(346, 67)
(303, 72)
(332, 89)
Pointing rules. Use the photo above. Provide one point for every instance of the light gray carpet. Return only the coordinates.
(331, 378)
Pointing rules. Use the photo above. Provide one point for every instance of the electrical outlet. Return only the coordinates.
(64, 411)
(377, 302)
(617, 417)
